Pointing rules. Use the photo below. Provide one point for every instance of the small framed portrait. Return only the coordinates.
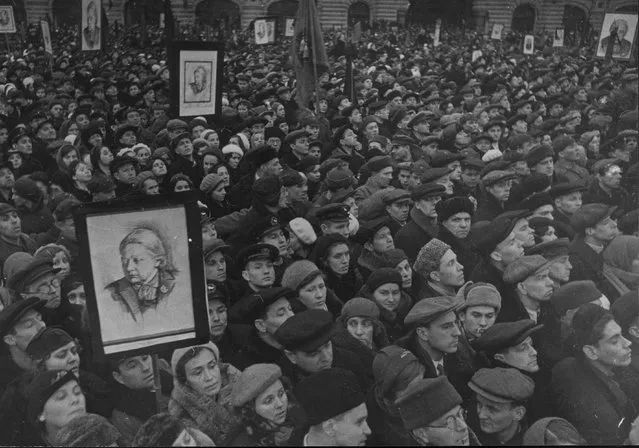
(622, 30)
(558, 39)
(46, 36)
(496, 32)
(261, 32)
(91, 25)
(529, 44)
(196, 78)
(290, 27)
(143, 272)
(7, 20)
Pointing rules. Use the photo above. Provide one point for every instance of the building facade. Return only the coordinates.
(532, 15)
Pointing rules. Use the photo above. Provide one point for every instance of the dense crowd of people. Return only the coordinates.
(450, 259)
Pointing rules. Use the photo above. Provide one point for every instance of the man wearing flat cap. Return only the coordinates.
(381, 174)
(397, 204)
(540, 160)
(306, 341)
(261, 314)
(585, 387)
(19, 323)
(265, 162)
(497, 185)
(335, 407)
(567, 199)
(533, 289)
(295, 148)
(557, 254)
(422, 226)
(502, 395)
(420, 125)
(595, 228)
(455, 216)
(433, 333)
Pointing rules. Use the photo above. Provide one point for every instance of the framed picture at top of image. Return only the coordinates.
(626, 26)
(7, 20)
(91, 25)
(143, 274)
(196, 78)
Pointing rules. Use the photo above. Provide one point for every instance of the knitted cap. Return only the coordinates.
(427, 400)
(210, 182)
(303, 230)
(299, 274)
(254, 380)
(91, 430)
(359, 307)
(383, 276)
(429, 256)
(159, 430)
(232, 149)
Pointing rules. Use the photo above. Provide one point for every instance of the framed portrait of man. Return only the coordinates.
(270, 31)
(496, 31)
(7, 20)
(621, 29)
(46, 36)
(143, 274)
(196, 78)
(91, 25)
(261, 32)
(558, 39)
(290, 27)
(529, 44)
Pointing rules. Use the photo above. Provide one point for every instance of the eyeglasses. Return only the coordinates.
(453, 421)
(48, 287)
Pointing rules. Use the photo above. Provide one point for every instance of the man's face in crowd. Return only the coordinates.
(611, 178)
(184, 147)
(47, 132)
(300, 146)
(427, 206)
(332, 227)
(442, 334)
(477, 319)
(128, 139)
(125, 174)
(470, 177)
(495, 133)
(338, 259)
(218, 317)
(500, 190)
(384, 176)
(560, 269)
(399, 210)
(522, 356)
(458, 224)
(509, 250)
(24, 330)
(495, 418)
(612, 350)
(82, 121)
(569, 203)
(605, 230)
(538, 286)
(56, 111)
(450, 272)
(351, 428)
(524, 233)
(315, 361)
(276, 314)
(259, 273)
(10, 225)
(276, 239)
(6, 178)
(135, 373)
(383, 240)
(133, 118)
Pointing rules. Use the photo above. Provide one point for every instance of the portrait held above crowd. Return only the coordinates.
(437, 245)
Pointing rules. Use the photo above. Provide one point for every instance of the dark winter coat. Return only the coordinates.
(419, 230)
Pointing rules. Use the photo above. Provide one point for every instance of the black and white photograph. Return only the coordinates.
(91, 25)
(319, 223)
(7, 20)
(622, 30)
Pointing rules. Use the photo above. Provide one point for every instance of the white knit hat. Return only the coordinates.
(232, 149)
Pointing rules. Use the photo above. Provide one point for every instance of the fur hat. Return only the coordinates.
(210, 182)
(254, 380)
(429, 257)
(90, 430)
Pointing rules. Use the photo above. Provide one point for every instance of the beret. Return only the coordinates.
(254, 380)
(328, 394)
(562, 142)
(393, 257)
(426, 311)
(566, 188)
(382, 276)
(333, 212)
(378, 163)
(306, 331)
(325, 242)
(457, 204)
(303, 230)
(251, 307)
(589, 215)
(175, 125)
(368, 229)
(120, 161)
(232, 149)
(338, 177)
(626, 309)
(14, 312)
(502, 385)
(124, 129)
(210, 182)
(550, 250)
(520, 269)
(478, 294)
(427, 190)
(300, 273)
(429, 257)
(426, 400)
(573, 294)
(256, 252)
(539, 153)
(503, 335)
(397, 195)
(359, 307)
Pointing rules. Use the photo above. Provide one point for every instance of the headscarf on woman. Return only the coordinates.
(618, 260)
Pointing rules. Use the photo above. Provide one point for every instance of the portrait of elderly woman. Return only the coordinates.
(148, 278)
(621, 44)
(198, 90)
(91, 32)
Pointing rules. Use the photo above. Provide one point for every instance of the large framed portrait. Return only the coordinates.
(143, 274)
(46, 36)
(7, 20)
(261, 32)
(91, 25)
(626, 26)
(290, 27)
(196, 78)
(496, 31)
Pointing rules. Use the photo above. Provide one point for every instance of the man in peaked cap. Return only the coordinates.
(420, 125)
(306, 340)
(296, 143)
(19, 323)
(422, 226)
(397, 204)
(567, 199)
(502, 396)
(264, 312)
(540, 159)
(567, 168)
(335, 407)
(333, 219)
(433, 333)
(595, 228)
(533, 288)
(256, 264)
(557, 254)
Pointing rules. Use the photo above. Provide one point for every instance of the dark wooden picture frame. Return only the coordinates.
(129, 313)
(190, 96)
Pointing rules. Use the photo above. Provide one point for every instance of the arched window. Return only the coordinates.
(523, 18)
(359, 12)
(575, 23)
(135, 9)
(218, 13)
(282, 10)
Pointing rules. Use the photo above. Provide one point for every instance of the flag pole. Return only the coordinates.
(313, 61)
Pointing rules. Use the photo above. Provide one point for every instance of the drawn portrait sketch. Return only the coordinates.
(91, 19)
(7, 21)
(199, 89)
(141, 274)
(197, 82)
(625, 26)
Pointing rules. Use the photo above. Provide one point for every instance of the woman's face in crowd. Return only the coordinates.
(219, 193)
(234, 160)
(222, 171)
(64, 358)
(77, 296)
(73, 129)
(181, 185)
(150, 187)
(64, 405)
(158, 168)
(215, 267)
(338, 259)
(272, 404)
(62, 263)
(106, 156)
(203, 373)
(213, 139)
(406, 272)
(387, 296)
(313, 295)
(143, 155)
(314, 175)
(82, 173)
(208, 162)
(15, 159)
(257, 140)
(361, 328)
(218, 317)
(280, 111)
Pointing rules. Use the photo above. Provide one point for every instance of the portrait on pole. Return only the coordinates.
(7, 20)
(621, 29)
(91, 21)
